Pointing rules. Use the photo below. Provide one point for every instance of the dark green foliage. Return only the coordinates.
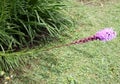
(24, 22)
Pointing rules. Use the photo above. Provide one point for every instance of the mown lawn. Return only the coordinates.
(91, 63)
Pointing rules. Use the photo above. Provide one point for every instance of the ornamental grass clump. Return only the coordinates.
(24, 22)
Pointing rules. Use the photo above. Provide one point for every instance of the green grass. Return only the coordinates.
(91, 63)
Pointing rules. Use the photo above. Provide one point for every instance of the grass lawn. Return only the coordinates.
(91, 63)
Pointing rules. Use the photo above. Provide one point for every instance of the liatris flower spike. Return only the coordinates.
(106, 34)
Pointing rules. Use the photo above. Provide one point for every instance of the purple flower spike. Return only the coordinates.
(106, 34)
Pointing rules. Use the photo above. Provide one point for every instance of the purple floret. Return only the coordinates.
(106, 34)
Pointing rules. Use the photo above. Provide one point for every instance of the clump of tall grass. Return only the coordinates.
(24, 22)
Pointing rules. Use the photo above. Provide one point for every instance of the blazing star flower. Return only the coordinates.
(106, 34)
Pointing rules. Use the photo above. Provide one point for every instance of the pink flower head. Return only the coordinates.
(106, 34)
